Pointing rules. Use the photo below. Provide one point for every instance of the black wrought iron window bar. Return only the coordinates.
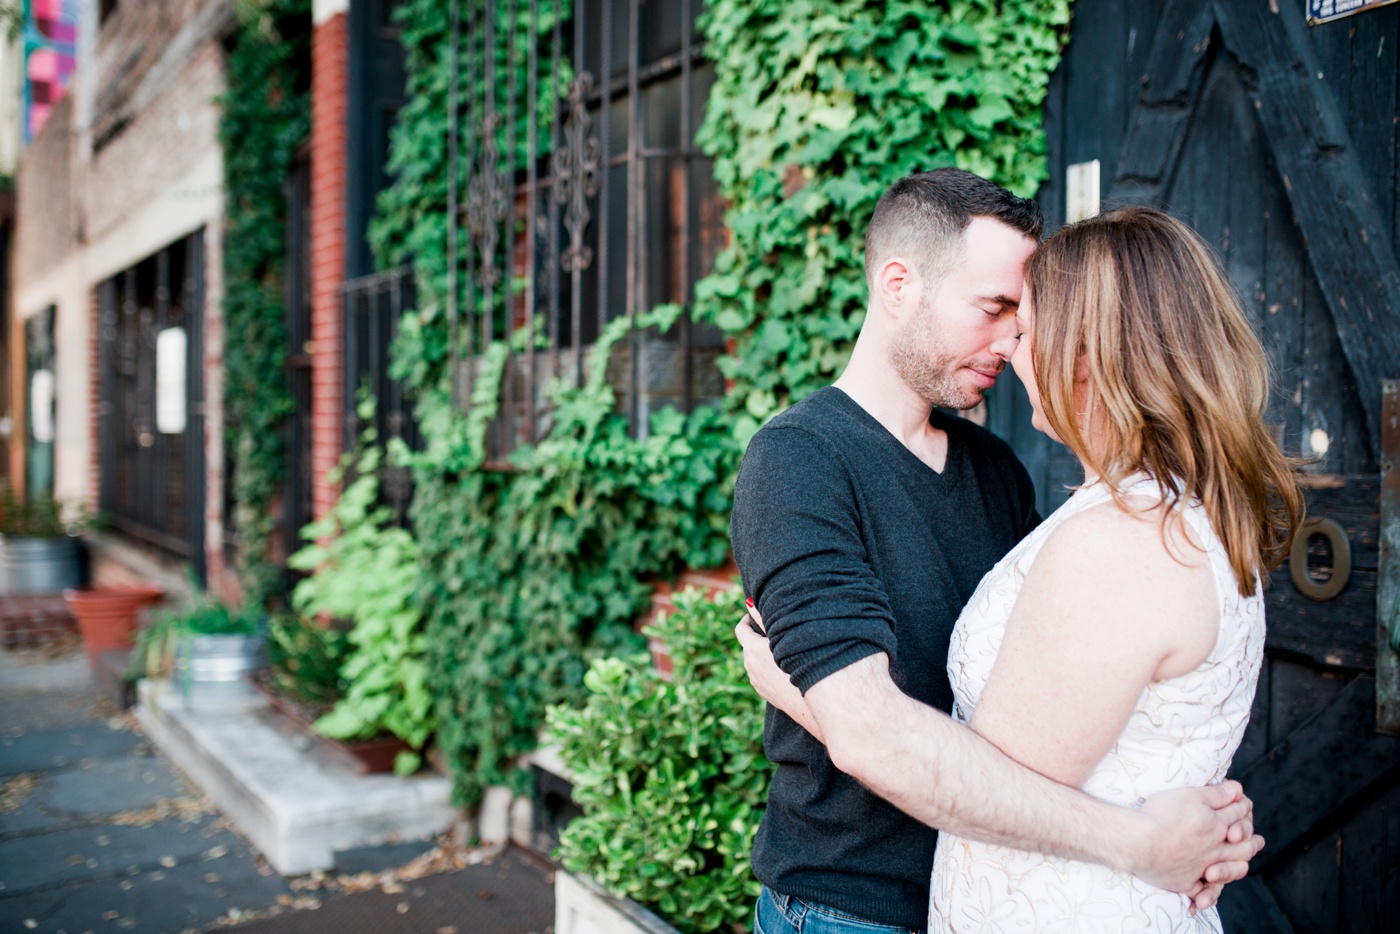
(151, 406)
(374, 304)
(578, 197)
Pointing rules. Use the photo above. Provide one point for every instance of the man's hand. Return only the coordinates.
(770, 681)
(1204, 838)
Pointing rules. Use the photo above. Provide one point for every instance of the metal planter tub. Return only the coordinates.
(39, 565)
(212, 670)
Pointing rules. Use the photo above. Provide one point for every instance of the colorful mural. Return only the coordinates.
(50, 57)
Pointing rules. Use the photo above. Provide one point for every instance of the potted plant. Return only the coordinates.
(39, 548)
(365, 571)
(106, 616)
(670, 775)
(303, 681)
(207, 649)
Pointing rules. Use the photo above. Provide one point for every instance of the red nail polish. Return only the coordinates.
(749, 601)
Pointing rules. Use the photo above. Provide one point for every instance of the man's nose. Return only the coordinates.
(1005, 344)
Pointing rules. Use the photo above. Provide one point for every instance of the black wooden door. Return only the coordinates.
(1278, 142)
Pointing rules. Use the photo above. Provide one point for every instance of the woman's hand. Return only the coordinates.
(770, 681)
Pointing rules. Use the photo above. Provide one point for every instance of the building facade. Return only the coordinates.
(117, 280)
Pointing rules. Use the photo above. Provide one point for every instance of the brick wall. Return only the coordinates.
(711, 580)
(45, 235)
(137, 52)
(328, 178)
(164, 141)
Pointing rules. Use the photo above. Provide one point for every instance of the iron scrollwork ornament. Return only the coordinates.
(486, 201)
(576, 174)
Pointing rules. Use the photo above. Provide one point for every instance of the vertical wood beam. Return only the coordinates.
(1388, 590)
(1171, 86)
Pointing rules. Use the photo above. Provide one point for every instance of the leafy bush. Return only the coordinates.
(366, 570)
(305, 659)
(530, 573)
(670, 774)
(264, 117)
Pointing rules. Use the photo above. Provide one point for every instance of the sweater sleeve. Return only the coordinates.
(796, 537)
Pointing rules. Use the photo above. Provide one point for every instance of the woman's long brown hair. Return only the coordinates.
(1134, 303)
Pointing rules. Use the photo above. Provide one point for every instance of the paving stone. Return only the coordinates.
(46, 749)
(189, 895)
(92, 790)
(33, 862)
(511, 895)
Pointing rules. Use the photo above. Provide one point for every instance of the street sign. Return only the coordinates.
(1324, 11)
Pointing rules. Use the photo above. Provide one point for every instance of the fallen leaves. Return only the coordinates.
(186, 809)
(16, 790)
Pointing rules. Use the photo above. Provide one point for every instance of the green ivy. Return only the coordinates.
(266, 115)
(533, 571)
(529, 572)
(818, 107)
(670, 771)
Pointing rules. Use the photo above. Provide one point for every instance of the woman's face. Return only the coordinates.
(1024, 366)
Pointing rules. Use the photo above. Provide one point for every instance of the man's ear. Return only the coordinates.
(896, 286)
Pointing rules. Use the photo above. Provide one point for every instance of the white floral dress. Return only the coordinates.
(1182, 733)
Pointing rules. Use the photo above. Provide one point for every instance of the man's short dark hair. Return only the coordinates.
(922, 217)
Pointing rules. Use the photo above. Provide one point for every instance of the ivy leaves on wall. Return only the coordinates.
(818, 107)
(266, 115)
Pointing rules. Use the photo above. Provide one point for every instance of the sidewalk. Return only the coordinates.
(99, 833)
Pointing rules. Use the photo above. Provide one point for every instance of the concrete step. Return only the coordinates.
(298, 803)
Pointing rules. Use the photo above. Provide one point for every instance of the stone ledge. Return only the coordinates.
(296, 803)
(581, 906)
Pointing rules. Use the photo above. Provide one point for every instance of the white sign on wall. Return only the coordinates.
(170, 381)
(41, 387)
(1081, 191)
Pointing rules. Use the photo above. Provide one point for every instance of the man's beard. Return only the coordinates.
(926, 366)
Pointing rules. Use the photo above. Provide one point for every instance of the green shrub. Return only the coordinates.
(366, 570)
(670, 773)
(40, 516)
(305, 658)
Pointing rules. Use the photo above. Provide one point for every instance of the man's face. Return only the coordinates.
(963, 329)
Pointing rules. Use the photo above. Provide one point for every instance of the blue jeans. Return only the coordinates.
(776, 913)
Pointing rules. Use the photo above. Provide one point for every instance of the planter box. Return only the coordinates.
(107, 616)
(582, 906)
(366, 756)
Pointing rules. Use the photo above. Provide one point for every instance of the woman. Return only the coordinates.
(1117, 647)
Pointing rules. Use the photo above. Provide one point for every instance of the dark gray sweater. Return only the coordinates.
(851, 545)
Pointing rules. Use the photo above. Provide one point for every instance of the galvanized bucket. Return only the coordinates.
(39, 565)
(212, 670)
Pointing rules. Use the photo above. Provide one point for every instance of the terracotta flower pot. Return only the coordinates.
(107, 615)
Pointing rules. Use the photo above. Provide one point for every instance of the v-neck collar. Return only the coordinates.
(907, 461)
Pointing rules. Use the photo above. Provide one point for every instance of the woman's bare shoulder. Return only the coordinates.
(1120, 561)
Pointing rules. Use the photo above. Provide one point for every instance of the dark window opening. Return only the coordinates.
(150, 414)
(602, 209)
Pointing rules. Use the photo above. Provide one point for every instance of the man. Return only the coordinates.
(863, 521)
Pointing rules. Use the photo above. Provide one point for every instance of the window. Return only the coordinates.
(150, 417)
(597, 208)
